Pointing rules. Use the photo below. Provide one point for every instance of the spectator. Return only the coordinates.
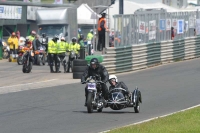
(172, 33)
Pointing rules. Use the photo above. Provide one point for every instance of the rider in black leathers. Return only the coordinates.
(96, 69)
(115, 84)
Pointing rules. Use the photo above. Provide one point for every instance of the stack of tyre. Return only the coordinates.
(78, 68)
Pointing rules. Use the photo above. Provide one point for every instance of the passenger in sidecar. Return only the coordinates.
(115, 84)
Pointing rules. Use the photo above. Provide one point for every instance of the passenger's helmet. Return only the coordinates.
(112, 78)
(94, 61)
(74, 40)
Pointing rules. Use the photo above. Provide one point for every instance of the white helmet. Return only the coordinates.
(113, 77)
(62, 39)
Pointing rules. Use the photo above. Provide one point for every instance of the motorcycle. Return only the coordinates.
(22, 43)
(72, 57)
(94, 97)
(63, 61)
(20, 55)
(117, 100)
(27, 60)
(40, 56)
(6, 50)
(90, 48)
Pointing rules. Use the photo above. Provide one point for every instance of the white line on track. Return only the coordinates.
(28, 83)
(153, 118)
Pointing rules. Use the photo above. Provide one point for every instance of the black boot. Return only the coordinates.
(65, 69)
(51, 69)
(57, 70)
(68, 69)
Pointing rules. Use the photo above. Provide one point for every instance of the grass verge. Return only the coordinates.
(182, 122)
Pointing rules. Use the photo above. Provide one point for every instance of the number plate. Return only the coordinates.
(91, 86)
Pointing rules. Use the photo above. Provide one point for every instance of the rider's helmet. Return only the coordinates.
(91, 31)
(27, 39)
(94, 63)
(62, 39)
(79, 30)
(43, 35)
(55, 38)
(33, 33)
(113, 79)
(81, 36)
(74, 40)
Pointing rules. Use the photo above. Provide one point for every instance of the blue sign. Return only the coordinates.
(180, 28)
(1, 9)
(19, 10)
(162, 24)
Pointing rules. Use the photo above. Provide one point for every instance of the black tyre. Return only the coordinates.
(29, 67)
(79, 68)
(19, 60)
(89, 103)
(136, 95)
(100, 110)
(80, 62)
(39, 61)
(24, 68)
(77, 75)
(43, 60)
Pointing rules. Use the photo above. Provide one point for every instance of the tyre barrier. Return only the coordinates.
(79, 67)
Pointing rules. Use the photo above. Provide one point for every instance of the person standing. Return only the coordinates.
(13, 44)
(74, 46)
(32, 36)
(52, 49)
(102, 28)
(61, 50)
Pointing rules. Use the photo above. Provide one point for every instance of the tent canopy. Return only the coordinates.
(85, 15)
(130, 7)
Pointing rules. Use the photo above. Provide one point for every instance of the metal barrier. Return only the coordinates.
(151, 26)
(135, 57)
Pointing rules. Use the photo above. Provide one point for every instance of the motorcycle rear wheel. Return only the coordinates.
(5, 55)
(89, 103)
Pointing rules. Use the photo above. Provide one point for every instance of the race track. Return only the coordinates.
(59, 109)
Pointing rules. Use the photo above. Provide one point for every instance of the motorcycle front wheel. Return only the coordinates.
(19, 60)
(89, 103)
